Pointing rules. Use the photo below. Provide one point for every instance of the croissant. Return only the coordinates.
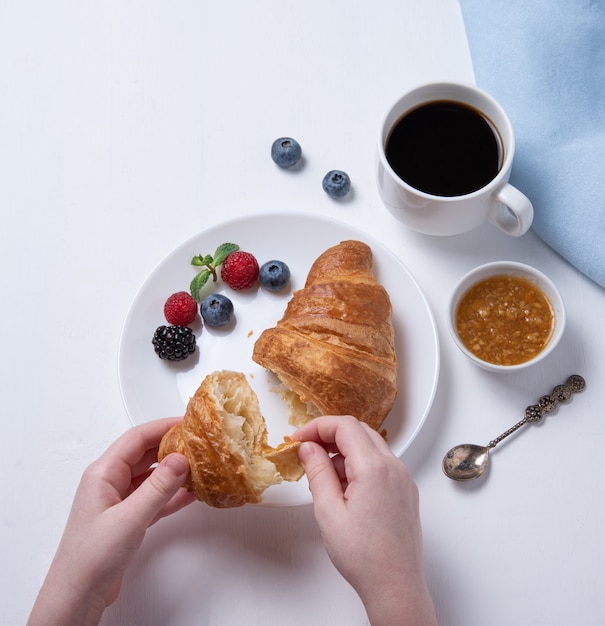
(334, 347)
(224, 436)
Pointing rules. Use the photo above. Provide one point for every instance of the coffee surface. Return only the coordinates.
(444, 148)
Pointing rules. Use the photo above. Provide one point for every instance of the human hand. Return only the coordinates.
(118, 498)
(367, 508)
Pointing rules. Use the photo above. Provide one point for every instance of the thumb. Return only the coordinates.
(158, 488)
(324, 482)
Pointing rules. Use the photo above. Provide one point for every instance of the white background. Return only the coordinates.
(125, 128)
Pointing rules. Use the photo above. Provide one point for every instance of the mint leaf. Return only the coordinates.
(210, 264)
(223, 251)
(199, 280)
(201, 261)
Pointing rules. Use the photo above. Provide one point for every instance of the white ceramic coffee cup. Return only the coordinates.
(497, 202)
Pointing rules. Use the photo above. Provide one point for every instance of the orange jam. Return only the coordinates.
(505, 320)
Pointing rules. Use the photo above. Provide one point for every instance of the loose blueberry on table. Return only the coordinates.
(336, 184)
(286, 152)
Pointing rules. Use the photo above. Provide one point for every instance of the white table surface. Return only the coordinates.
(127, 127)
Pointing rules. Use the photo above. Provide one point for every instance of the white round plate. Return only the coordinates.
(152, 388)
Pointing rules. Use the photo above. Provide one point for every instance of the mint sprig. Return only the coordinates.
(210, 264)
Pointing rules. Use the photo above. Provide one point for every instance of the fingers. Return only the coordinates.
(323, 429)
(180, 500)
(378, 439)
(132, 446)
(142, 468)
(130, 456)
(150, 501)
(343, 433)
(324, 481)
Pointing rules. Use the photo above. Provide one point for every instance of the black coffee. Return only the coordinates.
(444, 148)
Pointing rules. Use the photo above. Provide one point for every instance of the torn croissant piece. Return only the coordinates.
(224, 436)
(334, 348)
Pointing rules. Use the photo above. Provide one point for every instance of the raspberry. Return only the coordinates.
(240, 270)
(180, 309)
(173, 343)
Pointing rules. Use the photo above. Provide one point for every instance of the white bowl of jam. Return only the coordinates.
(506, 316)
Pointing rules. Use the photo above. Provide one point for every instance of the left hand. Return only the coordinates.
(118, 498)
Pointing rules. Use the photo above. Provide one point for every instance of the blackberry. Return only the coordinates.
(173, 343)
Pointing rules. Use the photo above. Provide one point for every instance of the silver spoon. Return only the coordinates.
(467, 461)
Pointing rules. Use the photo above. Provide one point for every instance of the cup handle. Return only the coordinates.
(511, 211)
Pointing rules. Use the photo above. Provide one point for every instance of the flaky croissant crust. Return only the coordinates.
(335, 344)
(224, 436)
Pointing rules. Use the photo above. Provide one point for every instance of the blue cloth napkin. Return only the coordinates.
(544, 60)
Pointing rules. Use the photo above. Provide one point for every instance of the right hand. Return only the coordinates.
(366, 506)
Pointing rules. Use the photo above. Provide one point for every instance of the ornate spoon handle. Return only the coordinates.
(546, 404)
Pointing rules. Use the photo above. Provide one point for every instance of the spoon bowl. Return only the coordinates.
(466, 461)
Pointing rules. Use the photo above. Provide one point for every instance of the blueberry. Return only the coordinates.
(216, 309)
(274, 275)
(336, 184)
(286, 151)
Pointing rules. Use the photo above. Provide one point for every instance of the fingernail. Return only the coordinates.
(176, 463)
(305, 451)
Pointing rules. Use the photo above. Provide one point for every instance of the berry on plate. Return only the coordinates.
(336, 184)
(274, 275)
(173, 343)
(286, 152)
(209, 264)
(240, 270)
(216, 309)
(180, 309)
